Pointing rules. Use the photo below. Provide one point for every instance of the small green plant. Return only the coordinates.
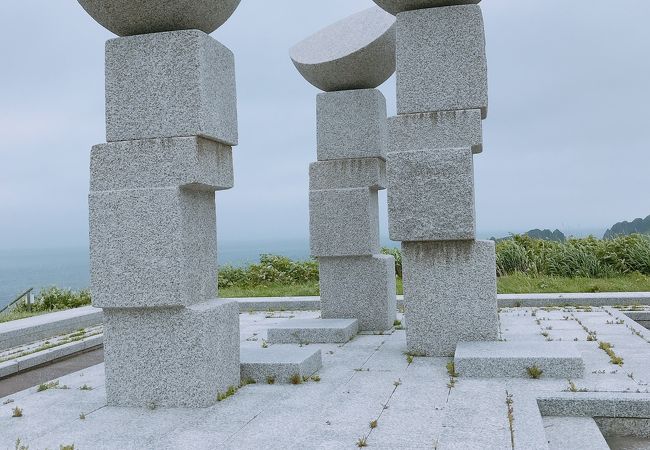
(315, 378)
(20, 446)
(534, 372)
(66, 447)
(270, 379)
(409, 359)
(45, 386)
(221, 396)
(82, 416)
(397, 382)
(511, 417)
(613, 357)
(451, 369)
(85, 387)
(574, 388)
(265, 344)
(247, 381)
(397, 323)
(296, 379)
(373, 424)
(362, 442)
(17, 412)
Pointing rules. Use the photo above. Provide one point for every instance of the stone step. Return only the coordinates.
(513, 359)
(573, 433)
(279, 363)
(313, 331)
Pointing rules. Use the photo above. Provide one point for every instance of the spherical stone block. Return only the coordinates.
(398, 6)
(129, 17)
(357, 52)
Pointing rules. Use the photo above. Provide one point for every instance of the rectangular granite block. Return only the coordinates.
(313, 331)
(152, 247)
(344, 222)
(348, 173)
(441, 62)
(359, 287)
(178, 83)
(444, 129)
(279, 363)
(450, 295)
(431, 195)
(191, 162)
(171, 357)
(351, 124)
(512, 359)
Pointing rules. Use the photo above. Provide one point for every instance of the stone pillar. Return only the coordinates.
(449, 276)
(171, 122)
(348, 60)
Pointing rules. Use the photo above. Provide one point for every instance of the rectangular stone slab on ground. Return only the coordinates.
(441, 62)
(431, 195)
(171, 357)
(450, 295)
(313, 331)
(576, 433)
(150, 163)
(178, 83)
(351, 124)
(344, 222)
(279, 363)
(513, 359)
(443, 129)
(359, 287)
(348, 173)
(152, 247)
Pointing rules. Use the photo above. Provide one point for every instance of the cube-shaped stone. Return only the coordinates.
(179, 83)
(431, 195)
(344, 222)
(443, 129)
(191, 162)
(152, 247)
(441, 63)
(450, 295)
(359, 287)
(171, 357)
(351, 124)
(348, 173)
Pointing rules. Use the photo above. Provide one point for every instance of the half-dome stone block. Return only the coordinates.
(130, 17)
(398, 6)
(351, 124)
(160, 85)
(190, 162)
(357, 52)
(441, 62)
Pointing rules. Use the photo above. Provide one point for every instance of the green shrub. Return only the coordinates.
(397, 254)
(53, 298)
(271, 269)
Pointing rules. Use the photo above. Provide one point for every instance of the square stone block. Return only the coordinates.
(359, 287)
(171, 357)
(344, 222)
(280, 362)
(351, 124)
(191, 162)
(179, 83)
(444, 129)
(431, 195)
(441, 63)
(313, 331)
(152, 247)
(450, 294)
(348, 173)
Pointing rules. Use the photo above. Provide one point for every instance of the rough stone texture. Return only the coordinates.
(431, 195)
(575, 433)
(398, 6)
(444, 129)
(171, 357)
(152, 247)
(280, 362)
(450, 295)
(313, 331)
(441, 63)
(179, 83)
(351, 124)
(595, 404)
(344, 222)
(357, 52)
(348, 173)
(128, 17)
(190, 162)
(512, 359)
(359, 287)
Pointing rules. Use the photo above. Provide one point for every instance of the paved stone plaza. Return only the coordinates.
(416, 405)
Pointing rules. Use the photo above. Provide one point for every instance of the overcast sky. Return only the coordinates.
(564, 144)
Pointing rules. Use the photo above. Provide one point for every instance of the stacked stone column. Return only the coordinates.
(356, 281)
(449, 276)
(171, 123)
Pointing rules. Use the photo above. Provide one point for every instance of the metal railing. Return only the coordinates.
(27, 295)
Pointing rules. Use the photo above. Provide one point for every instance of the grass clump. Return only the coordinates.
(296, 379)
(85, 387)
(451, 369)
(362, 442)
(270, 379)
(17, 412)
(373, 424)
(613, 357)
(221, 396)
(45, 386)
(534, 372)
